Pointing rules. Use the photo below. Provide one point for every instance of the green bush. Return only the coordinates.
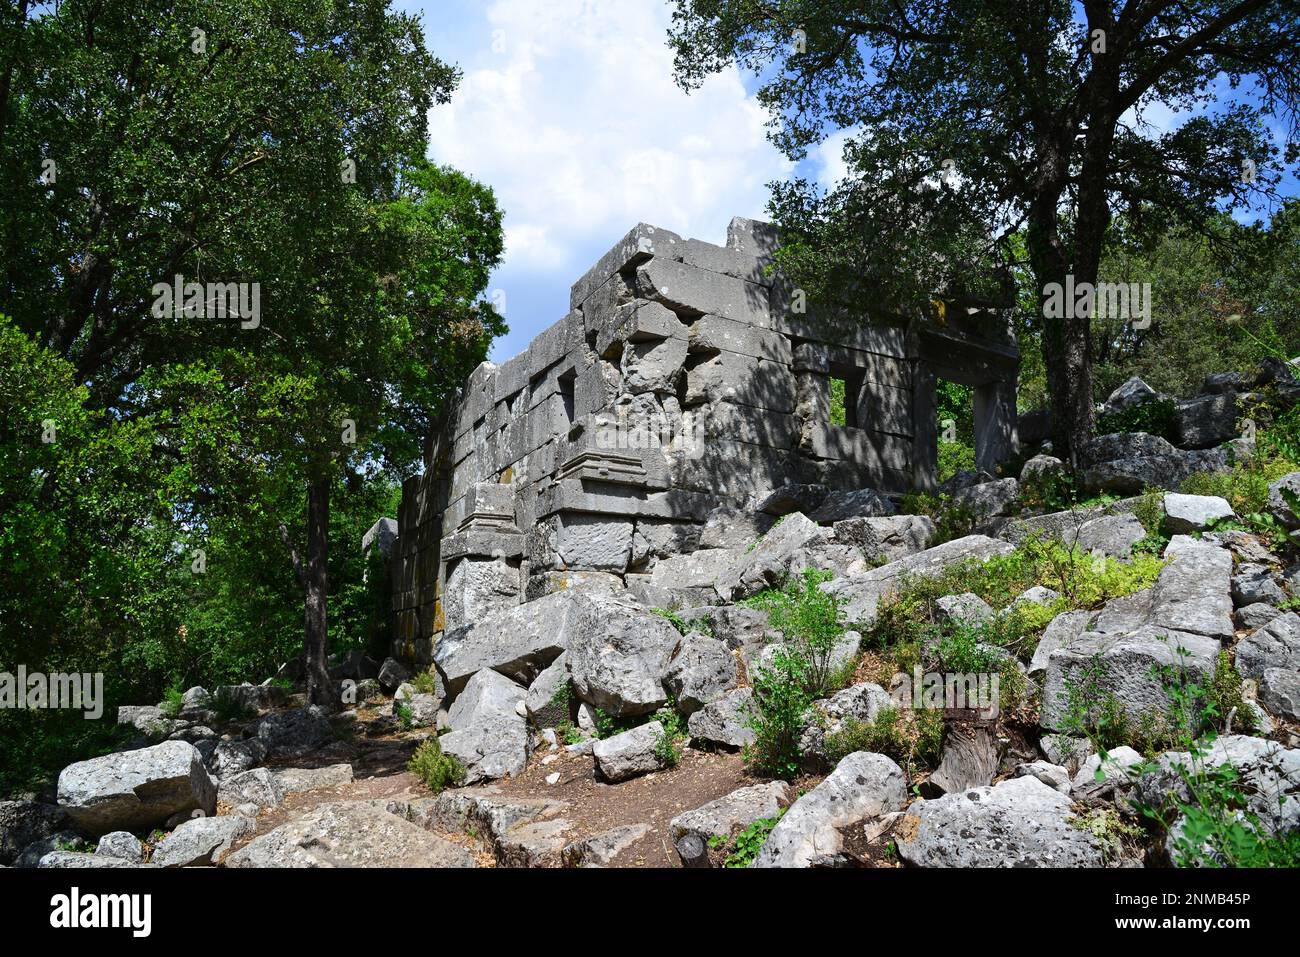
(951, 519)
(913, 738)
(1156, 417)
(810, 620)
(437, 770)
(777, 714)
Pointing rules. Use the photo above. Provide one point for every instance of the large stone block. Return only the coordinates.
(518, 642)
(639, 321)
(691, 291)
(640, 244)
(1119, 669)
(716, 334)
(136, 790)
(478, 587)
(732, 377)
(618, 655)
(862, 786)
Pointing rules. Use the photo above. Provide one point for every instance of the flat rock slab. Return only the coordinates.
(355, 834)
(732, 812)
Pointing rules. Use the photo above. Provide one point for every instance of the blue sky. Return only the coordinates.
(569, 112)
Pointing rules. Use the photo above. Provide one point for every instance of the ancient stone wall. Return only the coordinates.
(686, 377)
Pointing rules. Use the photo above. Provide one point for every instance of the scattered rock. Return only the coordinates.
(1021, 822)
(701, 670)
(201, 841)
(1053, 775)
(600, 850)
(392, 674)
(234, 757)
(727, 815)
(724, 720)
(545, 701)
(989, 499)
(1185, 514)
(492, 746)
(518, 642)
(1277, 503)
(861, 787)
(295, 732)
(966, 609)
(631, 753)
(618, 656)
(296, 780)
(1254, 584)
(136, 790)
(488, 692)
(1256, 615)
(258, 787)
(121, 844)
(23, 823)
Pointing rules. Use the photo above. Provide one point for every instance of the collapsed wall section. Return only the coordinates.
(683, 379)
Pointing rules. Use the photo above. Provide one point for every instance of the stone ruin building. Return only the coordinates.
(685, 378)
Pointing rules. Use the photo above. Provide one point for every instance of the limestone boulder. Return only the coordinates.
(862, 786)
(1185, 514)
(518, 642)
(700, 671)
(618, 656)
(631, 753)
(725, 720)
(136, 790)
(1020, 822)
(201, 841)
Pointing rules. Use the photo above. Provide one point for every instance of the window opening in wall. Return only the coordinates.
(846, 384)
(566, 394)
(955, 407)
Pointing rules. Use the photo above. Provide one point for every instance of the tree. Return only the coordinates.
(275, 147)
(968, 119)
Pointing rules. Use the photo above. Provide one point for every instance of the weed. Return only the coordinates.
(747, 843)
(173, 700)
(437, 770)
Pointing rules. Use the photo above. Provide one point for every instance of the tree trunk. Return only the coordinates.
(1066, 344)
(320, 690)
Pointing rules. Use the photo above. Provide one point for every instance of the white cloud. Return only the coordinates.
(570, 113)
(828, 158)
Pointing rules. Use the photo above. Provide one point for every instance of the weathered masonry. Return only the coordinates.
(682, 380)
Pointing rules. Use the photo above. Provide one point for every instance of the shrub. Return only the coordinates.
(1156, 417)
(228, 706)
(426, 682)
(951, 519)
(438, 771)
(913, 738)
(667, 744)
(173, 699)
(810, 620)
(954, 457)
(777, 714)
(1216, 826)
